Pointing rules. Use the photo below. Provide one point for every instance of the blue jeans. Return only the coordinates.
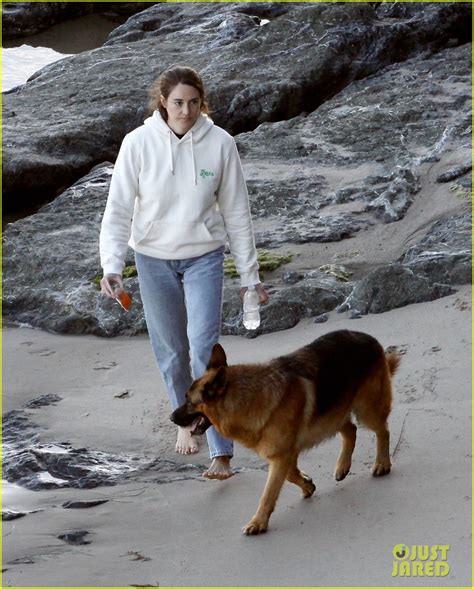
(182, 300)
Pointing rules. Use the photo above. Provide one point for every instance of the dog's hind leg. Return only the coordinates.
(382, 464)
(276, 477)
(298, 477)
(348, 438)
(374, 416)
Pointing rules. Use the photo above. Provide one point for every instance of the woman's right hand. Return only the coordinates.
(108, 283)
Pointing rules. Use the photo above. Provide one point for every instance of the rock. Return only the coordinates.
(454, 173)
(83, 504)
(43, 401)
(51, 258)
(53, 133)
(20, 19)
(292, 277)
(37, 466)
(308, 298)
(444, 253)
(232, 21)
(322, 318)
(354, 314)
(407, 114)
(44, 287)
(76, 537)
(9, 515)
(391, 287)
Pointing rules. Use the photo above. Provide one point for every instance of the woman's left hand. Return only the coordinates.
(263, 295)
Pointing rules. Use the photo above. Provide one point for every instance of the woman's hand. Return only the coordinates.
(108, 283)
(263, 295)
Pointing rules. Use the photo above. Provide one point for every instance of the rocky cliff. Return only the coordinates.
(354, 126)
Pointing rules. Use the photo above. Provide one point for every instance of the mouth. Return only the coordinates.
(184, 418)
(202, 424)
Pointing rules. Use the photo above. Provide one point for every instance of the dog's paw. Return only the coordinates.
(309, 487)
(381, 468)
(255, 527)
(341, 472)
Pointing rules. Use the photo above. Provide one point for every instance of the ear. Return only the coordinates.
(218, 357)
(216, 386)
(162, 101)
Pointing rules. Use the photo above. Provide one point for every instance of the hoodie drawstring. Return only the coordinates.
(171, 152)
(192, 158)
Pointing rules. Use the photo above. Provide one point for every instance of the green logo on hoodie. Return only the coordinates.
(206, 173)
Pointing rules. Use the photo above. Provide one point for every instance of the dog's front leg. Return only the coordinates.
(278, 470)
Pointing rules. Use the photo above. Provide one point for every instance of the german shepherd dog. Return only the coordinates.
(293, 403)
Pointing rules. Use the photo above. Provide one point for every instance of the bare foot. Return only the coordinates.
(186, 443)
(219, 469)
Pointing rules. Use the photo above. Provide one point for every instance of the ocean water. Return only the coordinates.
(22, 57)
(19, 63)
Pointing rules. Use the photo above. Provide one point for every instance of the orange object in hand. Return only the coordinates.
(123, 299)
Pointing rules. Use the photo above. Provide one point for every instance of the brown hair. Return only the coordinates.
(169, 79)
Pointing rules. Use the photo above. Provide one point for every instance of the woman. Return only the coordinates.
(176, 195)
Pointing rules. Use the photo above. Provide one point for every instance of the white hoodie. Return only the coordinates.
(176, 198)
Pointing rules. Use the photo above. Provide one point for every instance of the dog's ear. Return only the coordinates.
(215, 387)
(218, 357)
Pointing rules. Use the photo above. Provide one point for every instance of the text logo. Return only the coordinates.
(420, 560)
(206, 173)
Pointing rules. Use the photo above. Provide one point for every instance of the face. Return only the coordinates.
(183, 106)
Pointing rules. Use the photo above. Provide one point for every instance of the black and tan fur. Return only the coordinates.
(294, 402)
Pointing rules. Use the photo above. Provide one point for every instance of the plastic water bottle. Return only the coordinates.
(251, 308)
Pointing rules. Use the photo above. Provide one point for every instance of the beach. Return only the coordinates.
(174, 528)
(354, 125)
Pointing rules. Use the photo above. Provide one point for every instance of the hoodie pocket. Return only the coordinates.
(170, 236)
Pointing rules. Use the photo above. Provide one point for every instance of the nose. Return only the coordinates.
(186, 109)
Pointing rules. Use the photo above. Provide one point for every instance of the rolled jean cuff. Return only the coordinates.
(218, 454)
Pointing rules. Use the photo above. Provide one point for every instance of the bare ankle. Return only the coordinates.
(220, 468)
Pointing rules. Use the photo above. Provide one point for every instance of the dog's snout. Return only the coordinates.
(184, 415)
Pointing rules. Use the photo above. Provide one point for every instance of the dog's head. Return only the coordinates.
(203, 394)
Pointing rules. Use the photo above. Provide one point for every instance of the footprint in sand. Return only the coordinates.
(107, 366)
(42, 352)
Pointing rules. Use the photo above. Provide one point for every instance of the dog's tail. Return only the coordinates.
(393, 360)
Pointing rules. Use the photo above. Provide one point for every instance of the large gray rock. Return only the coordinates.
(73, 114)
(50, 258)
(391, 287)
(444, 254)
(358, 159)
(232, 20)
(20, 19)
(314, 295)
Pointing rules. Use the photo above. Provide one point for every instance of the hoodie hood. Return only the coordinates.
(200, 128)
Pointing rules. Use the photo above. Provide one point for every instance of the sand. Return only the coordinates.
(188, 532)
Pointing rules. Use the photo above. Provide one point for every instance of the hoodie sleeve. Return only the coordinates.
(233, 200)
(117, 219)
